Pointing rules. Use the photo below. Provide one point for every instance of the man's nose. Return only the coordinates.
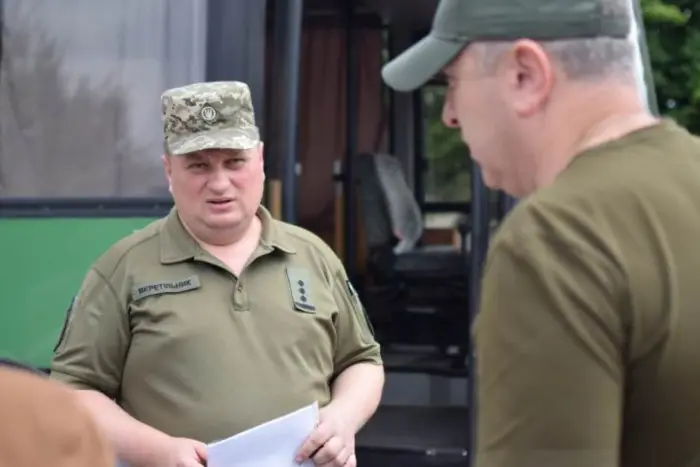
(449, 118)
(219, 180)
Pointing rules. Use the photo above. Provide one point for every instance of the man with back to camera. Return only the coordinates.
(217, 317)
(587, 339)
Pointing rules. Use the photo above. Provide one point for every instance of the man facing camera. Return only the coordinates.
(217, 317)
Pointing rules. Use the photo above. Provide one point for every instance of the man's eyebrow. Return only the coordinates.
(205, 156)
(195, 157)
(239, 154)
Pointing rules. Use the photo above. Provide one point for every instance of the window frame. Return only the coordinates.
(13, 208)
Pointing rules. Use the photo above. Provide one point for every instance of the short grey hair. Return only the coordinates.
(582, 59)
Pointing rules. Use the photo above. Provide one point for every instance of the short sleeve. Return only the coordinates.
(549, 350)
(93, 343)
(355, 338)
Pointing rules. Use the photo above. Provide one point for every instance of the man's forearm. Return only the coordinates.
(132, 440)
(356, 393)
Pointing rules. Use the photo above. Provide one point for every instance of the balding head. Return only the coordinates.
(583, 58)
(42, 424)
(530, 83)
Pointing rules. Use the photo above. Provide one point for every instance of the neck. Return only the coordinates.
(236, 253)
(617, 112)
(240, 241)
(227, 239)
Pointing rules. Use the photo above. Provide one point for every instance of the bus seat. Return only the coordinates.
(420, 276)
(393, 220)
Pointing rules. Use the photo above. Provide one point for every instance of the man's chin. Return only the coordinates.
(223, 220)
(491, 181)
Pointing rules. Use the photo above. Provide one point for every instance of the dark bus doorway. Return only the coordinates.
(356, 169)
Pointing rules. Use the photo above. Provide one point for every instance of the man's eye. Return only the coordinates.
(197, 165)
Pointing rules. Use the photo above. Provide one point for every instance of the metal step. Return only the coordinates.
(425, 360)
(401, 435)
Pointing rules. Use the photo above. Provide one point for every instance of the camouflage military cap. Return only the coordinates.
(216, 115)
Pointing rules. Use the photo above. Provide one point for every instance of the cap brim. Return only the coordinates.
(419, 63)
(226, 138)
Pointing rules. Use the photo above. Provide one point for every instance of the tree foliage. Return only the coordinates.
(449, 177)
(673, 38)
(673, 41)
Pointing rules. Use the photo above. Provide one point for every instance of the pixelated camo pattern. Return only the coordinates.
(207, 116)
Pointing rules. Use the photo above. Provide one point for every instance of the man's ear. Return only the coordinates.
(532, 77)
(261, 153)
(167, 168)
(166, 164)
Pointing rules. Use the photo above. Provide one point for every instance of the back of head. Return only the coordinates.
(594, 57)
(589, 38)
(532, 82)
(43, 424)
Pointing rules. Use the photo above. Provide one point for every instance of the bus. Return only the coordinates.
(348, 159)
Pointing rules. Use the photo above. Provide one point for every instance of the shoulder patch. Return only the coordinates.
(300, 287)
(66, 323)
(353, 293)
(359, 307)
(159, 288)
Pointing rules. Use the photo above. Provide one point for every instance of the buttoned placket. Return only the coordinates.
(240, 295)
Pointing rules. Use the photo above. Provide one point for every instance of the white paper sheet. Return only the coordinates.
(272, 444)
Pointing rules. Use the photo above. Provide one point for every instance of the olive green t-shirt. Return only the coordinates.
(588, 337)
(185, 346)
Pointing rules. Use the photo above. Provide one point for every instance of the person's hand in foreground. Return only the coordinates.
(180, 452)
(43, 424)
(331, 444)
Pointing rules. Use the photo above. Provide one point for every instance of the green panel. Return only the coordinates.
(42, 263)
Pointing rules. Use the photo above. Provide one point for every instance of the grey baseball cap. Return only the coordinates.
(457, 23)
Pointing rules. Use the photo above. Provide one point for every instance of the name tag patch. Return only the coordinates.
(159, 288)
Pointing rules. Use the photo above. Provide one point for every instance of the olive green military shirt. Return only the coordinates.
(185, 346)
(588, 338)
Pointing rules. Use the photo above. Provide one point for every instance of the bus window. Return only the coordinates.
(446, 174)
(447, 167)
(79, 93)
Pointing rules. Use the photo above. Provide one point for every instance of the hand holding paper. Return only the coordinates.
(331, 443)
(272, 444)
